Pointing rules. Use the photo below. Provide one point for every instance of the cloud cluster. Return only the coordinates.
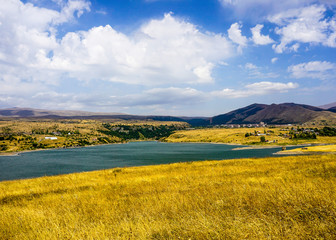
(297, 22)
(162, 51)
(304, 25)
(259, 88)
(258, 38)
(236, 36)
(258, 9)
(35, 60)
(167, 50)
(256, 72)
(28, 33)
(156, 98)
(314, 69)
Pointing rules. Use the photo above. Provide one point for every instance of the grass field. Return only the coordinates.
(237, 136)
(314, 149)
(271, 198)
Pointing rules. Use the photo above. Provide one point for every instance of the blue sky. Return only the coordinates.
(166, 57)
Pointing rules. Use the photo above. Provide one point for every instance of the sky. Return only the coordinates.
(166, 57)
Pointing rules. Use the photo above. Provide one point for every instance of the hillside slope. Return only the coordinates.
(239, 115)
(333, 109)
(275, 114)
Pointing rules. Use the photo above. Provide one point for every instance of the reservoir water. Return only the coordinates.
(62, 161)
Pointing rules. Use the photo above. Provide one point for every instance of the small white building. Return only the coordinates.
(50, 138)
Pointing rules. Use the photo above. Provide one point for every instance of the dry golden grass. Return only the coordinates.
(237, 136)
(314, 149)
(270, 198)
(217, 135)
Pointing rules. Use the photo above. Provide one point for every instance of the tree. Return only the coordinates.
(262, 139)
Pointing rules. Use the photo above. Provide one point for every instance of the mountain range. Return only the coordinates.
(285, 113)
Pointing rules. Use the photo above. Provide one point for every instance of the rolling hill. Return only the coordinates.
(275, 114)
(31, 113)
(333, 109)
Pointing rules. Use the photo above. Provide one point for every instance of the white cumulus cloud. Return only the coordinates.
(161, 51)
(274, 60)
(258, 38)
(258, 88)
(314, 69)
(236, 36)
(304, 25)
(28, 35)
(166, 50)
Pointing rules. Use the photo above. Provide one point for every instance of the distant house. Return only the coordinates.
(50, 138)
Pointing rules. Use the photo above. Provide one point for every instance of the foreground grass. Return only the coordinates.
(271, 198)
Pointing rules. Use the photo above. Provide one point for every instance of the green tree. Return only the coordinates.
(262, 139)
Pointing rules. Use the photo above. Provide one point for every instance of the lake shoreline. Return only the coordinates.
(4, 154)
(48, 149)
(243, 147)
(270, 146)
(36, 163)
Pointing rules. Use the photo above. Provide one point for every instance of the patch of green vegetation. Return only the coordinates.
(327, 131)
(304, 135)
(140, 132)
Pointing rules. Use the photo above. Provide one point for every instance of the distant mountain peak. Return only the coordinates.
(283, 113)
(329, 105)
(31, 112)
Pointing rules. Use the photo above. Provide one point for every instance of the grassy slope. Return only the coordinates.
(270, 198)
(237, 136)
(314, 149)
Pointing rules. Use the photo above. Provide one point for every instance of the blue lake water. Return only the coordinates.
(62, 161)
